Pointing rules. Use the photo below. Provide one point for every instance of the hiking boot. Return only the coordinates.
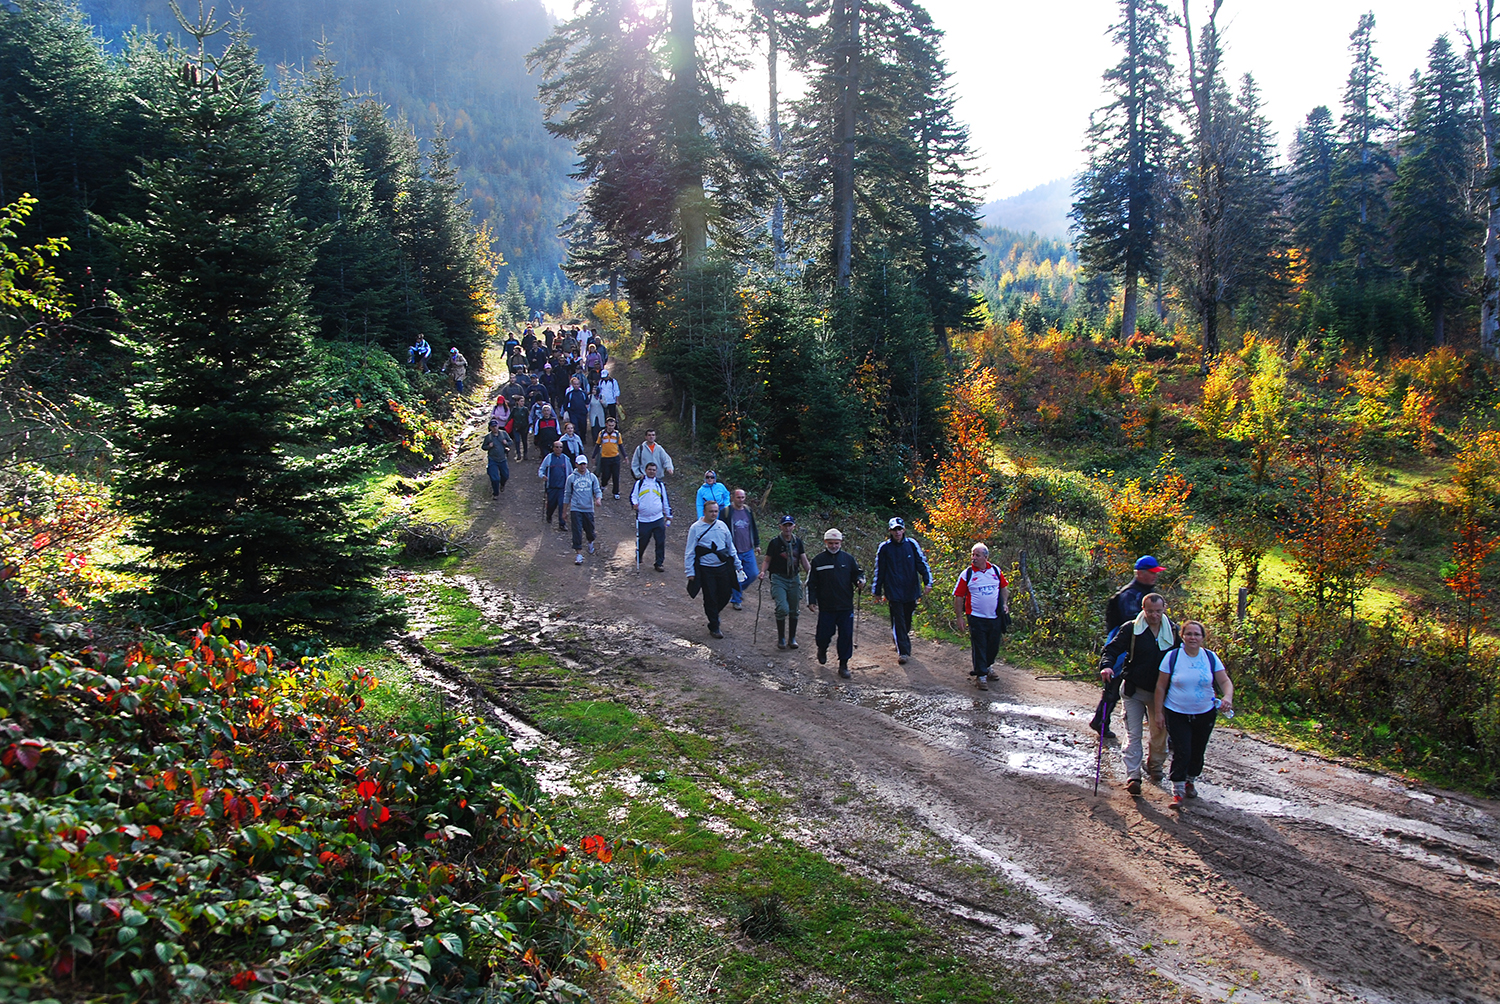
(735, 605)
(1156, 775)
(1191, 791)
(822, 655)
(591, 547)
(1177, 802)
(577, 559)
(1133, 786)
(844, 670)
(902, 659)
(715, 633)
(658, 568)
(982, 682)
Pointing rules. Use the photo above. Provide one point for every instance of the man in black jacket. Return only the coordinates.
(1143, 643)
(831, 582)
(902, 577)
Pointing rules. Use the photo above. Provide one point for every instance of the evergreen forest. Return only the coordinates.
(256, 623)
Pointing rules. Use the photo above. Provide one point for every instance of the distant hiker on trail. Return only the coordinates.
(578, 498)
(572, 443)
(982, 594)
(594, 362)
(495, 444)
(653, 514)
(554, 473)
(518, 425)
(1124, 606)
(711, 490)
(648, 452)
(501, 413)
(418, 354)
(1143, 643)
(832, 578)
(545, 428)
(607, 454)
(785, 558)
(609, 394)
(741, 523)
(711, 564)
(458, 366)
(1186, 707)
(902, 578)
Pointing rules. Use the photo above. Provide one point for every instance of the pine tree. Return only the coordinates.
(1357, 208)
(232, 479)
(1314, 155)
(1433, 219)
(1118, 208)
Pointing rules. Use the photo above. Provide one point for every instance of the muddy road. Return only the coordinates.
(1291, 878)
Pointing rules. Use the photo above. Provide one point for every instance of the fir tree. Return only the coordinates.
(1314, 155)
(1357, 208)
(233, 479)
(1433, 219)
(1119, 208)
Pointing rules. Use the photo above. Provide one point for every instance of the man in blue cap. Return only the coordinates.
(1124, 607)
(902, 577)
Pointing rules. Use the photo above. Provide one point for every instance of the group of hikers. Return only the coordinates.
(560, 395)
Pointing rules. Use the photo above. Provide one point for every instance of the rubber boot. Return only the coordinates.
(780, 632)
(791, 633)
(844, 669)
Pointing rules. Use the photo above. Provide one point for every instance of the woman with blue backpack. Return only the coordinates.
(1186, 706)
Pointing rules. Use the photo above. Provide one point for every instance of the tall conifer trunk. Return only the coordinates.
(778, 213)
(843, 195)
(1483, 57)
(687, 133)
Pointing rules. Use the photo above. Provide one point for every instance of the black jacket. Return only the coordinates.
(832, 581)
(1143, 657)
(1124, 605)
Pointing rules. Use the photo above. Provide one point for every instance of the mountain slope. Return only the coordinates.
(461, 63)
(1043, 209)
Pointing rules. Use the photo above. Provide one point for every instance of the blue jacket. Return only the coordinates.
(715, 492)
(555, 470)
(901, 570)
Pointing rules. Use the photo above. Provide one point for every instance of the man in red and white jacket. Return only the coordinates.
(982, 594)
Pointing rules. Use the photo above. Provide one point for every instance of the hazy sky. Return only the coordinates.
(1028, 74)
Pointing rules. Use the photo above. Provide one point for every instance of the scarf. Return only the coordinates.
(1163, 640)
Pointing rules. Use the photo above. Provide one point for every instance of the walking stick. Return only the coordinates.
(859, 596)
(755, 638)
(1103, 724)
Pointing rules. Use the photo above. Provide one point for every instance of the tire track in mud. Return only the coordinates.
(1293, 878)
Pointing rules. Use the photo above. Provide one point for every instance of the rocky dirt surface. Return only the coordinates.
(1291, 878)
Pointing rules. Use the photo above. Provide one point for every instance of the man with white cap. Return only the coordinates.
(902, 577)
(609, 393)
(832, 578)
(578, 498)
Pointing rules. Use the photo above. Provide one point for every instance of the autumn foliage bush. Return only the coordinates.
(201, 820)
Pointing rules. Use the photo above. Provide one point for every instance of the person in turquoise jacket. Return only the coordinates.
(712, 491)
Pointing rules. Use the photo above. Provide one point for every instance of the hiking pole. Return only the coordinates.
(1103, 724)
(755, 639)
(859, 596)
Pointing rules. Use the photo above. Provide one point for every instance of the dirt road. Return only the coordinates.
(1292, 878)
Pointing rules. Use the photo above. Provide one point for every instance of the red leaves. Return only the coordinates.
(370, 816)
(154, 832)
(241, 980)
(599, 847)
(368, 789)
(27, 754)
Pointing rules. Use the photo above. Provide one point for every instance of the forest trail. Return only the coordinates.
(1292, 878)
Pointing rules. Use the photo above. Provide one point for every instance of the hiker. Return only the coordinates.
(653, 514)
(459, 366)
(1186, 708)
(496, 444)
(545, 429)
(982, 594)
(709, 561)
(741, 523)
(902, 577)
(576, 403)
(501, 413)
(712, 490)
(649, 452)
(579, 495)
(607, 454)
(572, 443)
(832, 578)
(1124, 606)
(518, 425)
(1143, 643)
(609, 393)
(596, 414)
(594, 362)
(418, 353)
(554, 472)
(785, 558)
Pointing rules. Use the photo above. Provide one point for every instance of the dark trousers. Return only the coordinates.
(645, 533)
(519, 437)
(841, 621)
(609, 470)
(715, 582)
(1189, 735)
(554, 504)
(499, 473)
(901, 614)
(583, 524)
(613, 411)
(984, 643)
